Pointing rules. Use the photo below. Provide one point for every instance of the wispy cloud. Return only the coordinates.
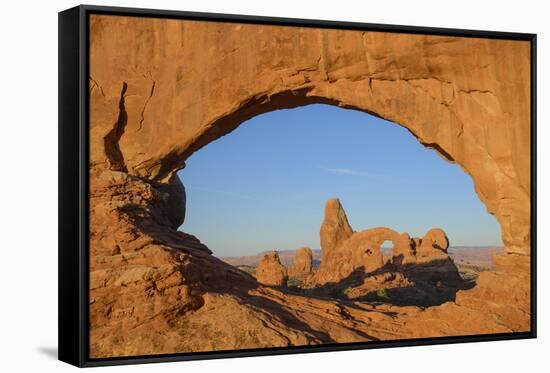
(349, 171)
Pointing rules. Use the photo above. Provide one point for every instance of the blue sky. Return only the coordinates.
(264, 186)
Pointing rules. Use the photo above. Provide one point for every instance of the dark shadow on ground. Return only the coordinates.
(215, 275)
(426, 284)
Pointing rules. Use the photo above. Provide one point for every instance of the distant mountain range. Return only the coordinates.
(286, 257)
(480, 256)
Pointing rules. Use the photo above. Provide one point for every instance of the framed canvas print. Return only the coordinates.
(237, 186)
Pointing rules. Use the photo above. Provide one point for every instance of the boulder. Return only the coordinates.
(270, 271)
(437, 239)
(176, 199)
(302, 265)
(432, 246)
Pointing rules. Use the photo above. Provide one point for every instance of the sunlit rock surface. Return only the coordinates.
(162, 89)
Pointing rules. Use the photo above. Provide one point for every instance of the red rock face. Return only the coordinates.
(335, 228)
(163, 89)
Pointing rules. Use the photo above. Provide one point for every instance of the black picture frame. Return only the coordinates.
(73, 247)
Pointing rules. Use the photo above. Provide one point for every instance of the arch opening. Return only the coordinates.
(387, 251)
(262, 188)
(310, 94)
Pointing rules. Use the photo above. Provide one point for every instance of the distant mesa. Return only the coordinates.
(270, 271)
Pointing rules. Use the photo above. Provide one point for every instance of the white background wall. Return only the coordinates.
(28, 185)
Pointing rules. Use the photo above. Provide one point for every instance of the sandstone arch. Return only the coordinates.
(155, 99)
(345, 251)
(360, 251)
(162, 89)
